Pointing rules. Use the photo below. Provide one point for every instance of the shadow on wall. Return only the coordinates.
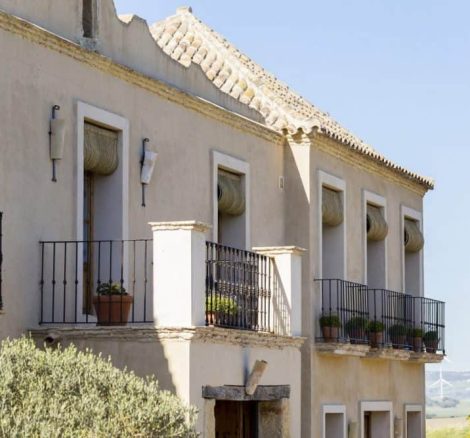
(281, 309)
(145, 357)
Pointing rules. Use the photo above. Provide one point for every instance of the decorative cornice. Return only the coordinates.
(272, 251)
(183, 334)
(366, 352)
(180, 225)
(42, 37)
(325, 144)
(340, 349)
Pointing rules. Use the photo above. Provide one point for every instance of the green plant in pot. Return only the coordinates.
(112, 304)
(416, 339)
(330, 325)
(375, 332)
(397, 333)
(431, 341)
(356, 329)
(220, 310)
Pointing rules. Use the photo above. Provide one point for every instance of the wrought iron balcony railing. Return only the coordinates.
(108, 282)
(238, 288)
(354, 313)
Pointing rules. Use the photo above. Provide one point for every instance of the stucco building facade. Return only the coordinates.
(241, 220)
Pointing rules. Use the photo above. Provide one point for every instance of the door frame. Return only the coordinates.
(93, 114)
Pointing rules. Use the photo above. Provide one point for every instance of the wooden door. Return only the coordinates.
(236, 419)
(87, 246)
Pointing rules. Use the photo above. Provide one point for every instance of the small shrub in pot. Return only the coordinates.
(356, 329)
(375, 333)
(431, 341)
(220, 310)
(397, 334)
(112, 304)
(416, 339)
(330, 325)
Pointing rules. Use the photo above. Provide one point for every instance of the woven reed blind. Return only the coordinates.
(230, 193)
(414, 240)
(332, 207)
(101, 150)
(377, 227)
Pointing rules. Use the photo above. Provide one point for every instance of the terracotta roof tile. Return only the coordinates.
(189, 41)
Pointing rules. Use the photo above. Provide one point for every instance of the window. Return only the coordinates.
(376, 231)
(376, 419)
(89, 10)
(414, 421)
(332, 219)
(334, 421)
(231, 196)
(413, 243)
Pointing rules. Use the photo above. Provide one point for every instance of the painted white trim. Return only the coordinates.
(376, 406)
(369, 197)
(331, 181)
(227, 162)
(334, 409)
(413, 408)
(418, 217)
(113, 121)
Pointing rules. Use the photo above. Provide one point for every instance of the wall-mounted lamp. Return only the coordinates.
(147, 164)
(56, 139)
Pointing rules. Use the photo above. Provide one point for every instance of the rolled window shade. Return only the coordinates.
(377, 228)
(332, 207)
(414, 240)
(101, 150)
(230, 194)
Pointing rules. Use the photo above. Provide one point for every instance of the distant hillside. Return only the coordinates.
(456, 400)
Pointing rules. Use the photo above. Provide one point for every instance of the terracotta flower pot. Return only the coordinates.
(431, 346)
(417, 343)
(357, 336)
(376, 339)
(330, 334)
(112, 309)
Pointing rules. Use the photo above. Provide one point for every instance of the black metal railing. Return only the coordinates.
(238, 288)
(352, 312)
(1, 259)
(108, 282)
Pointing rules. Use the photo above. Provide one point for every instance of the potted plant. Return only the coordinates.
(330, 325)
(416, 338)
(112, 304)
(219, 309)
(431, 341)
(356, 329)
(397, 334)
(375, 331)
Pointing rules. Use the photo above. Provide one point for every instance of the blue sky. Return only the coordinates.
(397, 74)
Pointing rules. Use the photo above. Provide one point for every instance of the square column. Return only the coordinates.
(179, 273)
(288, 276)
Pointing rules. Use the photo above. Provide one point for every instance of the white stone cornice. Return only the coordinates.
(272, 251)
(180, 225)
(148, 333)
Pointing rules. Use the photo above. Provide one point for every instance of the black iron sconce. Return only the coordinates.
(147, 164)
(56, 139)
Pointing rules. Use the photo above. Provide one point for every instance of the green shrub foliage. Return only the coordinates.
(66, 393)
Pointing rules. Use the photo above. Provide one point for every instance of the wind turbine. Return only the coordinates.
(441, 382)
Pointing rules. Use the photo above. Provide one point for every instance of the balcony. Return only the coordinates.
(238, 288)
(366, 322)
(103, 282)
(175, 280)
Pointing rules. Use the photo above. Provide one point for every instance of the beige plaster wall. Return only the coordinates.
(350, 380)
(184, 366)
(33, 78)
(62, 17)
